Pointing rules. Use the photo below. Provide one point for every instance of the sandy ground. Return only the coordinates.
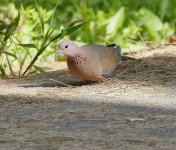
(134, 110)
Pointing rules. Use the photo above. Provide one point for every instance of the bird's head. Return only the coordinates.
(67, 48)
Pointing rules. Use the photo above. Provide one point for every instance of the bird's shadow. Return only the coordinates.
(60, 78)
(55, 84)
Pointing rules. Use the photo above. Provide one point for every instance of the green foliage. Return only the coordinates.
(7, 30)
(30, 35)
(26, 54)
(115, 22)
(123, 21)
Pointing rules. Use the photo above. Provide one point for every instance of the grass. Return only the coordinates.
(9, 37)
(30, 35)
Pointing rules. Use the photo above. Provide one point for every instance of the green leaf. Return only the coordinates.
(2, 71)
(2, 33)
(8, 53)
(31, 45)
(24, 47)
(10, 31)
(150, 20)
(40, 15)
(12, 27)
(74, 28)
(163, 8)
(68, 31)
(17, 19)
(40, 69)
(3, 26)
(115, 22)
(46, 36)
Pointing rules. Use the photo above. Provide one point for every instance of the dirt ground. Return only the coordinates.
(134, 110)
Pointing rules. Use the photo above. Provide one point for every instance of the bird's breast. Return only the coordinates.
(84, 69)
(77, 65)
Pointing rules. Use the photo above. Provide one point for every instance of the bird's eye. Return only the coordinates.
(66, 46)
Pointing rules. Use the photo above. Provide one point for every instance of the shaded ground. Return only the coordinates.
(134, 110)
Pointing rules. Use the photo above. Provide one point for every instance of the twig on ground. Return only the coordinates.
(60, 82)
(122, 72)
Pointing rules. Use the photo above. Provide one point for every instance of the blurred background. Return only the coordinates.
(24, 25)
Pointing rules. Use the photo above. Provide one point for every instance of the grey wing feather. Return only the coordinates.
(119, 53)
(111, 45)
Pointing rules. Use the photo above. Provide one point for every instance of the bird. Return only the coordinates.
(93, 62)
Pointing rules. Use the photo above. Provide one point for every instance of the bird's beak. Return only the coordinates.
(58, 53)
(59, 56)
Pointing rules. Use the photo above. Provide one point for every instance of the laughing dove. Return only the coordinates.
(91, 62)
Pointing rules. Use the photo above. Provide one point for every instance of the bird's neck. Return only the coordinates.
(77, 59)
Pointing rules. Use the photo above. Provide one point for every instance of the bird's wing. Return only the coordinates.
(105, 57)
